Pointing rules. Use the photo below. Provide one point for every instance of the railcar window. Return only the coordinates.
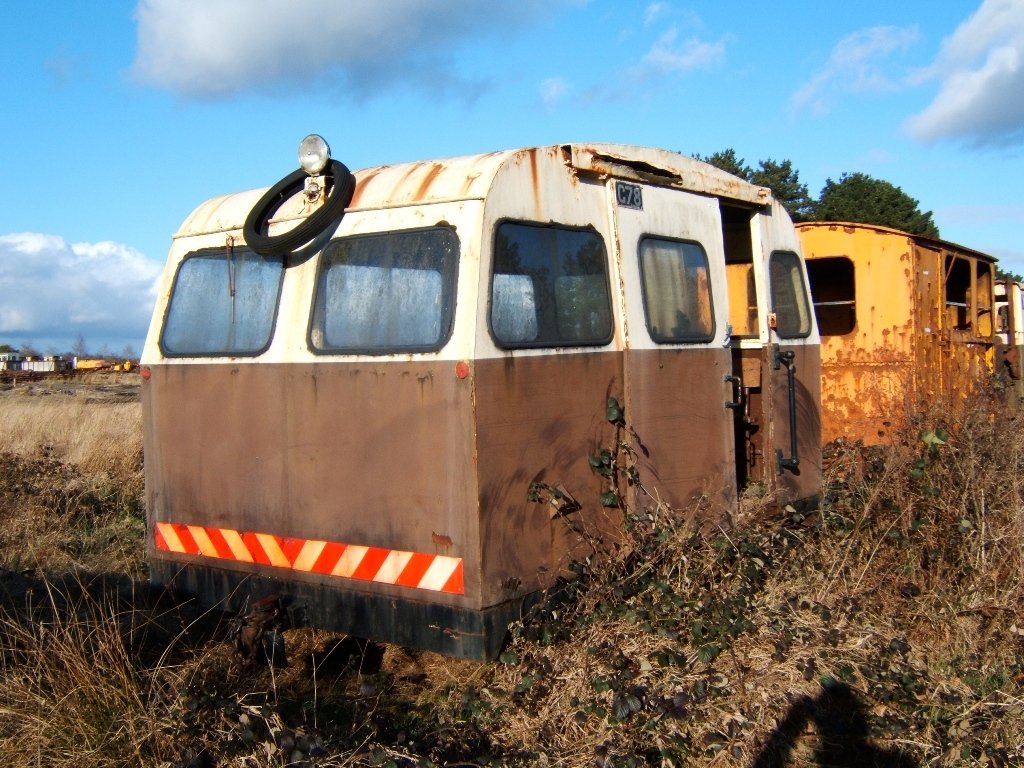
(549, 287)
(677, 295)
(737, 240)
(386, 292)
(788, 295)
(1002, 316)
(958, 293)
(834, 294)
(223, 303)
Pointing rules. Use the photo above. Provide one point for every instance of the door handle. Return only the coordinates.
(737, 393)
(780, 358)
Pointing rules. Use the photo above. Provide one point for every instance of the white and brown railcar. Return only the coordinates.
(355, 425)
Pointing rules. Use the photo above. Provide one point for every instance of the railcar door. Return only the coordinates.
(677, 361)
(775, 354)
(791, 361)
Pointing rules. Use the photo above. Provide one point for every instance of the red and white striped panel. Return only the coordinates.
(438, 573)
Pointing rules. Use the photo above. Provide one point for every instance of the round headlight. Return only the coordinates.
(314, 154)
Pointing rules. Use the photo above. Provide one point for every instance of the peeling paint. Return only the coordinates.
(906, 340)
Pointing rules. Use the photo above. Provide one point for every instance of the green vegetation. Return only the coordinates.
(861, 198)
(884, 626)
(780, 177)
(856, 197)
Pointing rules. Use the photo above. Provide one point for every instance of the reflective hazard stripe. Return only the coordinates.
(417, 570)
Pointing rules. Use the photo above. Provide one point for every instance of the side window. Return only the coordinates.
(963, 314)
(958, 293)
(788, 296)
(387, 292)
(549, 287)
(834, 295)
(677, 296)
(223, 303)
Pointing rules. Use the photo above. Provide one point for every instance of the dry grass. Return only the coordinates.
(71, 482)
(96, 427)
(884, 628)
(74, 693)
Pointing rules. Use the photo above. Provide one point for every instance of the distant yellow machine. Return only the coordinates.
(92, 364)
(904, 320)
(101, 364)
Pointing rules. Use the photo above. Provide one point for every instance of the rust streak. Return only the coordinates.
(535, 177)
(432, 174)
(363, 181)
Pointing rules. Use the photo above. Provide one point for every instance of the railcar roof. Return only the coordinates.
(930, 242)
(472, 176)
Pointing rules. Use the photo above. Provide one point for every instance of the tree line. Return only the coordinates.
(78, 349)
(855, 197)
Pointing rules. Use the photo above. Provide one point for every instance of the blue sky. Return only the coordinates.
(120, 117)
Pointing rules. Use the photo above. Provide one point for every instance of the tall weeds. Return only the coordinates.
(73, 693)
(885, 627)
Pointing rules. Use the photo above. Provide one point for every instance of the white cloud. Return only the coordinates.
(855, 65)
(216, 48)
(669, 54)
(653, 12)
(55, 289)
(980, 68)
(552, 91)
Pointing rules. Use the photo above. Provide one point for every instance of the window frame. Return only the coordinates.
(447, 319)
(661, 338)
(805, 293)
(223, 252)
(812, 267)
(547, 344)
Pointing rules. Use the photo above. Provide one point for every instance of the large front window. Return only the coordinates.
(223, 304)
(549, 287)
(388, 292)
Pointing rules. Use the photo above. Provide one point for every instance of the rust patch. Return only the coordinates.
(362, 182)
(409, 172)
(441, 541)
(432, 174)
(920, 332)
(467, 184)
(535, 177)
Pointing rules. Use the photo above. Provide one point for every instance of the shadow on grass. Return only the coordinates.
(155, 626)
(841, 728)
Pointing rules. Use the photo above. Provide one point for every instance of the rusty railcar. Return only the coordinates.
(904, 320)
(355, 424)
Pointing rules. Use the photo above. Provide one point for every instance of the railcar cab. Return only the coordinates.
(348, 410)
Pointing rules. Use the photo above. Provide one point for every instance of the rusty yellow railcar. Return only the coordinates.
(904, 320)
(347, 402)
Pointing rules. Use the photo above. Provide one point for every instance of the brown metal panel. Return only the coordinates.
(805, 481)
(676, 404)
(539, 418)
(375, 454)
